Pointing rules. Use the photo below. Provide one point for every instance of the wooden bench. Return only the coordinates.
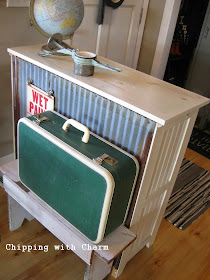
(23, 203)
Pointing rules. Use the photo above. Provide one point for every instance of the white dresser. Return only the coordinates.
(147, 117)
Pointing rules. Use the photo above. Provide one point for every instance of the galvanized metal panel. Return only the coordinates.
(110, 120)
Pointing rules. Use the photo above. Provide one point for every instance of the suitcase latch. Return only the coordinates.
(106, 158)
(39, 119)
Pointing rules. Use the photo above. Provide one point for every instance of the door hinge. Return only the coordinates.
(206, 33)
(141, 15)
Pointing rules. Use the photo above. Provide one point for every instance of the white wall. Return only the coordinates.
(15, 30)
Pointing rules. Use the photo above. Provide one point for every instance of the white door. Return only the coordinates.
(119, 38)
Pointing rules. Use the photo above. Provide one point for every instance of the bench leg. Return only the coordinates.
(17, 214)
(98, 269)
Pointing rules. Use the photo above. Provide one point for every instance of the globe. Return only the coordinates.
(57, 16)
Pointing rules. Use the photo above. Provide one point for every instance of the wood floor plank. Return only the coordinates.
(175, 254)
(198, 159)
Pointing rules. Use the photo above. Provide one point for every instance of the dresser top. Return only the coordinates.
(153, 98)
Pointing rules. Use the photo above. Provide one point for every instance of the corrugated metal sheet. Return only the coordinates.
(110, 120)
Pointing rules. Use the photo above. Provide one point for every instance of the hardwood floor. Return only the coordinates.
(198, 159)
(175, 254)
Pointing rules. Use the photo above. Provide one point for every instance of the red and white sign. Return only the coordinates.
(38, 101)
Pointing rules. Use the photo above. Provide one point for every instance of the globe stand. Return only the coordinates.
(55, 42)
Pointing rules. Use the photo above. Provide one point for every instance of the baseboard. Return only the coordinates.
(6, 159)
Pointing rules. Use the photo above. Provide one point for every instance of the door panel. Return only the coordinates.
(118, 38)
(85, 38)
(119, 27)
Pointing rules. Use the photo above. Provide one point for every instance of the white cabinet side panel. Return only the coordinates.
(167, 150)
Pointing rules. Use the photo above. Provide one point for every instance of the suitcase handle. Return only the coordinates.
(79, 126)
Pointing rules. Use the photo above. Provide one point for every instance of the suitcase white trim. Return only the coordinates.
(88, 162)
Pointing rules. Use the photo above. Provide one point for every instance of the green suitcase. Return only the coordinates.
(88, 181)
